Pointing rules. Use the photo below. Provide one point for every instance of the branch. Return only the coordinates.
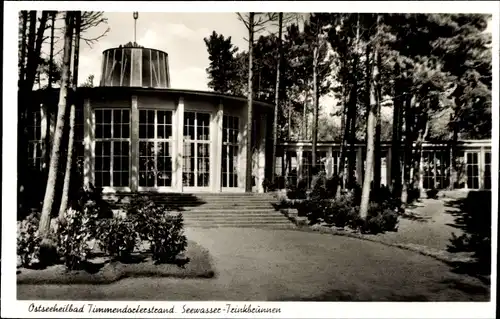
(91, 41)
(242, 19)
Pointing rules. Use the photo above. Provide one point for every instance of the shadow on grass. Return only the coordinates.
(472, 216)
(415, 217)
(467, 288)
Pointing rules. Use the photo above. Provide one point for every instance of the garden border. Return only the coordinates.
(440, 255)
(114, 271)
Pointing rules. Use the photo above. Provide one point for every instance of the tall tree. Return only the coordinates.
(222, 70)
(51, 54)
(254, 25)
(277, 95)
(48, 201)
(372, 73)
(22, 47)
(89, 83)
(69, 159)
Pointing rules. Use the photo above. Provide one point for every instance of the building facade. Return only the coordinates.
(134, 133)
(473, 159)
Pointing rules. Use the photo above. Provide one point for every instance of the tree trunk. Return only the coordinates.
(370, 132)
(453, 154)
(344, 129)
(69, 159)
(276, 98)
(51, 55)
(353, 101)
(30, 50)
(377, 173)
(396, 138)
(35, 50)
(304, 118)
(408, 148)
(49, 85)
(289, 122)
(48, 201)
(316, 104)
(22, 62)
(248, 181)
(420, 144)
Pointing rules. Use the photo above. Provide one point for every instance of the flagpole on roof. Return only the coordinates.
(136, 16)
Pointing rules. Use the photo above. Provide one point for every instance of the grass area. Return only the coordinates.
(195, 263)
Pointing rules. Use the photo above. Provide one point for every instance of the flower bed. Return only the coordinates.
(86, 246)
(195, 263)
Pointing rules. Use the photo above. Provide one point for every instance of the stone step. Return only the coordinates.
(240, 211)
(237, 222)
(255, 219)
(263, 226)
(208, 212)
(233, 206)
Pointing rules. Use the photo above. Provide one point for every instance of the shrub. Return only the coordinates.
(331, 185)
(167, 238)
(90, 199)
(163, 231)
(297, 192)
(432, 193)
(341, 212)
(381, 218)
(74, 235)
(318, 189)
(117, 236)
(28, 241)
(268, 185)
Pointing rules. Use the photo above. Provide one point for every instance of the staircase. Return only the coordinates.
(212, 210)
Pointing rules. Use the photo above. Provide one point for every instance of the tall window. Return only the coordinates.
(442, 167)
(472, 169)
(307, 164)
(230, 130)
(155, 148)
(487, 170)
(35, 142)
(291, 167)
(429, 171)
(196, 155)
(112, 147)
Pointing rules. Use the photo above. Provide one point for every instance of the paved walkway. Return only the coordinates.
(261, 265)
(431, 225)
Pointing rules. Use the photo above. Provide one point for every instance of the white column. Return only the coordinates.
(88, 144)
(180, 143)
(134, 142)
(174, 146)
(481, 168)
(329, 162)
(216, 167)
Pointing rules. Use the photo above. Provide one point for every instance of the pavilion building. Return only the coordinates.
(134, 133)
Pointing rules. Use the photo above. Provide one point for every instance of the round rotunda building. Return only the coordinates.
(140, 135)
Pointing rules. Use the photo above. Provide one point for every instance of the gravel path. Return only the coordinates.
(256, 264)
